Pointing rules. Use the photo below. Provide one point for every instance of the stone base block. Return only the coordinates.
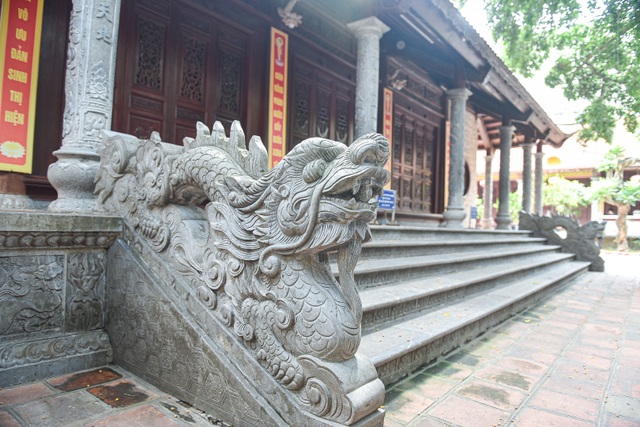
(28, 360)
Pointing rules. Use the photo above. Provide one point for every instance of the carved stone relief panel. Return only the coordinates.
(31, 294)
(85, 291)
(151, 338)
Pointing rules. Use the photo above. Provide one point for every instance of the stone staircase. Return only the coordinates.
(427, 291)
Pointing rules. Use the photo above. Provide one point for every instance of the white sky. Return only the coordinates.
(562, 111)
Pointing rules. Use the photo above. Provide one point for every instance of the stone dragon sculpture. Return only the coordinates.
(575, 239)
(258, 258)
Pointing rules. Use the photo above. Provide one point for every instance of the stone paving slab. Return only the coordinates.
(106, 397)
(573, 360)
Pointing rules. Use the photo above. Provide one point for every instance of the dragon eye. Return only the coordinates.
(314, 171)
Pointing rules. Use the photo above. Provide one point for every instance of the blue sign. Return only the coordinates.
(474, 212)
(388, 200)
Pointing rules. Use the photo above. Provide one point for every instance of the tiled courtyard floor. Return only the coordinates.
(573, 360)
(107, 397)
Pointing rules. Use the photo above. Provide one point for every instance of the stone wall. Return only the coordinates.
(52, 294)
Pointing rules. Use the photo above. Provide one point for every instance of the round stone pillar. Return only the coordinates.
(93, 31)
(455, 214)
(526, 176)
(487, 193)
(537, 208)
(504, 217)
(368, 32)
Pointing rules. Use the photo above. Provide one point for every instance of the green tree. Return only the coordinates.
(595, 46)
(564, 196)
(614, 190)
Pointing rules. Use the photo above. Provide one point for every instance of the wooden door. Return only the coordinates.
(177, 65)
(414, 143)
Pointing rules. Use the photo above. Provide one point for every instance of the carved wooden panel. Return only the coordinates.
(179, 64)
(230, 71)
(150, 42)
(193, 68)
(321, 102)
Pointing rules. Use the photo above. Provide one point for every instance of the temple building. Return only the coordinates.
(284, 301)
(415, 69)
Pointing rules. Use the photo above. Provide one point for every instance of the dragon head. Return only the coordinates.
(323, 194)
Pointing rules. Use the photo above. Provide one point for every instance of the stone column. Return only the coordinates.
(368, 32)
(455, 214)
(504, 218)
(595, 205)
(537, 208)
(93, 31)
(487, 193)
(526, 175)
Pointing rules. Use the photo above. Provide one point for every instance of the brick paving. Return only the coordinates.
(107, 397)
(573, 360)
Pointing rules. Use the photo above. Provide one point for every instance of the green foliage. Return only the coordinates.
(595, 45)
(480, 206)
(613, 189)
(611, 162)
(565, 196)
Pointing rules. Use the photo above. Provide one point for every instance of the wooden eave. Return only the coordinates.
(436, 26)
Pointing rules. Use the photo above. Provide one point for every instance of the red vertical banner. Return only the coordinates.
(20, 32)
(387, 128)
(278, 96)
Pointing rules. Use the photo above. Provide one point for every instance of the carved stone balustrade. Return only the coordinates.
(235, 306)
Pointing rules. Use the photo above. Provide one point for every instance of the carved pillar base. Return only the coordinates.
(453, 217)
(72, 176)
(89, 79)
(503, 221)
(487, 223)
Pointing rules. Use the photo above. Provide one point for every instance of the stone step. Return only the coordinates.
(378, 272)
(414, 247)
(382, 304)
(386, 232)
(401, 347)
